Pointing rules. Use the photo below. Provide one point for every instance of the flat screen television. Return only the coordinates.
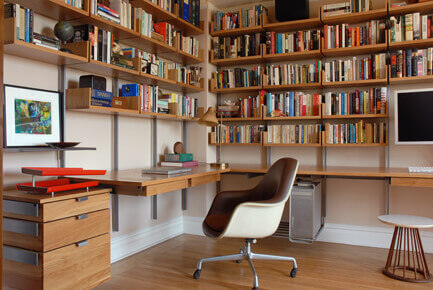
(414, 117)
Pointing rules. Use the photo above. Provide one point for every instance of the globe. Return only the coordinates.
(64, 31)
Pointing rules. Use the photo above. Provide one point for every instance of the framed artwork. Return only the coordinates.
(32, 117)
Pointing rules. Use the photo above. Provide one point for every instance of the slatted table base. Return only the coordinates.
(406, 259)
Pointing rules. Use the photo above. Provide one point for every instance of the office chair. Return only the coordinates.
(251, 214)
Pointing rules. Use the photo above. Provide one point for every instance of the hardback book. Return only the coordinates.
(165, 170)
(180, 164)
(184, 157)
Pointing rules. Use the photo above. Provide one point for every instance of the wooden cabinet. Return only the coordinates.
(60, 242)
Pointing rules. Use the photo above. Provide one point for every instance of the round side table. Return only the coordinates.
(406, 259)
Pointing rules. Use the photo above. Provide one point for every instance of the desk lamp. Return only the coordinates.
(209, 119)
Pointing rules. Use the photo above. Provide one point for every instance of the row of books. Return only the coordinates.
(185, 75)
(238, 134)
(410, 27)
(239, 19)
(347, 7)
(118, 11)
(149, 98)
(102, 47)
(250, 107)
(165, 4)
(188, 44)
(356, 133)
(342, 35)
(238, 77)
(293, 104)
(189, 10)
(294, 134)
(236, 46)
(24, 19)
(180, 105)
(357, 68)
(292, 42)
(76, 3)
(287, 74)
(411, 62)
(371, 101)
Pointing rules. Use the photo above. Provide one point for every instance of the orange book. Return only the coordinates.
(358, 36)
(325, 28)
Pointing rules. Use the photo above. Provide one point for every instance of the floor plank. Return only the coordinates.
(170, 265)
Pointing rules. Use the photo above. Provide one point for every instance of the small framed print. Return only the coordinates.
(144, 66)
(153, 69)
(33, 117)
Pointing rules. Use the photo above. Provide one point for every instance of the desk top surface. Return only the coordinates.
(134, 177)
(46, 198)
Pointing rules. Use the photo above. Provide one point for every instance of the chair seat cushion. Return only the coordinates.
(215, 224)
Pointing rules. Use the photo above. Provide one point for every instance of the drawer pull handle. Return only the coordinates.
(82, 217)
(84, 198)
(82, 243)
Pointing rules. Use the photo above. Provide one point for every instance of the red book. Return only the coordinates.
(161, 28)
(272, 42)
(316, 106)
(428, 27)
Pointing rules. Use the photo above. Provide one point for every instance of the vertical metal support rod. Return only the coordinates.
(62, 89)
(324, 164)
(185, 143)
(114, 210)
(387, 194)
(154, 198)
(115, 196)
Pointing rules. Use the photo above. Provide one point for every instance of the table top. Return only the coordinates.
(134, 177)
(406, 221)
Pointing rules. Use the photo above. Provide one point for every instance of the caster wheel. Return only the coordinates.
(197, 274)
(293, 272)
(238, 261)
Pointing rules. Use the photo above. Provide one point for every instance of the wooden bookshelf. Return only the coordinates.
(236, 31)
(412, 44)
(354, 116)
(359, 83)
(312, 54)
(183, 57)
(240, 119)
(294, 118)
(150, 45)
(423, 7)
(55, 9)
(308, 86)
(410, 80)
(286, 26)
(355, 50)
(235, 90)
(187, 27)
(292, 145)
(237, 144)
(356, 145)
(188, 88)
(353, 18)
(119, 32)
(254, 59)
(158, 14)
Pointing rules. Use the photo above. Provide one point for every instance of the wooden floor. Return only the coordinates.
(170, 265)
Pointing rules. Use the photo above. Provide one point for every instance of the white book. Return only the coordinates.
(109, 47)
(424, 27)
(373, 32)
(397, 31)
(424, 62)
(416, 26)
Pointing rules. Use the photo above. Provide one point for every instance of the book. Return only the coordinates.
(172, 157)
(165, 170)
(180, 164)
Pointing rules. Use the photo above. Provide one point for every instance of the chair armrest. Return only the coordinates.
(227, 201)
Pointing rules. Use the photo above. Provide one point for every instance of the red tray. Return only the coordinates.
(56, 171)
(56, 185)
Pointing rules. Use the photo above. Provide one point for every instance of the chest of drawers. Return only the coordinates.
(60, 242)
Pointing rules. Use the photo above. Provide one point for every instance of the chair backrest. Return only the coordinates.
(276, 185)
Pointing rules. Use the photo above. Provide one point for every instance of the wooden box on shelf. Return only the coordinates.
(80, 100)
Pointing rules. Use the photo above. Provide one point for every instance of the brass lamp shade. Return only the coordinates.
(209, 119)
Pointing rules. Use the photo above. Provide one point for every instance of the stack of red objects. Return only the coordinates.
(56, 185)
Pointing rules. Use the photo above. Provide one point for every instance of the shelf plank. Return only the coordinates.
(240, 119)
(187, 88)
(119, 32)
(293, 25)
(359, 116)
(238, 60)
(237, 144)
(419, 43)
(237, 31)
(163, 83)
(410, 80)
(236, 90)
(309, 86)
(291, 145)
(356, 50)
(361, 83)
(293, 56)
(106, 111)
(297, 118)
(356, 145)
(158, 14)
(357, 17)
(424, 7)
(182, 57)
(149, 44)
(54, 9)
(187, 27)
(39, 53)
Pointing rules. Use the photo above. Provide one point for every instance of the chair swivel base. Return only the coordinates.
(246, 254)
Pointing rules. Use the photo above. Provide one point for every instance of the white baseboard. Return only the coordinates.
(129, 244)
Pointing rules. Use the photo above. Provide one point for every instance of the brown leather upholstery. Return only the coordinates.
(273, 188)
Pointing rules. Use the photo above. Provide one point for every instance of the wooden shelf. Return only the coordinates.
(158, 14)
(237, 61)
(355, 145)
(39, 53)
(291, 145)
(163, 83)
(55, 9)
(296, 118)
(187, 27)
(420, 43)
(183, 57)
(292, 25)
(359, 116)
(356, 50)
(424, 8)
(410, 80)
(240, 119)
(119, 32)
(149, 45)
(236, 90)
(357, 17)
(293, 56)
(309, 86)
(237, 144)
(190, 88)
(361, 83)
(237, 31)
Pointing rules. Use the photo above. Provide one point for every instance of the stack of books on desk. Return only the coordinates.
(179, 160)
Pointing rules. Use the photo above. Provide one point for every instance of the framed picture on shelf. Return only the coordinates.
(33, 117)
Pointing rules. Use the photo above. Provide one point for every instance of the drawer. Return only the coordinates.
(78, 266)
(165, 187)
(48, 236)
(204, 179)
(73, 207)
